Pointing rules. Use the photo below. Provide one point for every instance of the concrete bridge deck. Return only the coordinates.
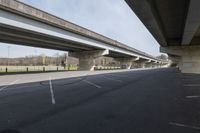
(25, 25)
(175, 24)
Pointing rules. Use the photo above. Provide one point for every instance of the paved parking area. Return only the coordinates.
(143, 101)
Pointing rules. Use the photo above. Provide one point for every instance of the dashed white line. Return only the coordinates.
(10, 84)
(93, 84)
(183, 125)
(53, 101)
(192, 96)
(112, 79)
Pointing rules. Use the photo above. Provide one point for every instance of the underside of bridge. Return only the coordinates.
(25, 25)
(175, 24)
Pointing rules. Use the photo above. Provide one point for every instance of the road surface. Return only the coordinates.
(143, 101)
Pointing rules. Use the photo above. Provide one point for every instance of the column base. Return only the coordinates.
(86, 64)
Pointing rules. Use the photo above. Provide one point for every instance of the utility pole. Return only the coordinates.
(35, 58)
(65, 60)
(8, 55)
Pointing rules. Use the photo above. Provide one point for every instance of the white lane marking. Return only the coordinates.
(112, 79)
(183, 125)
(191, 85)
(192, 96)
(93, 84)
(53, 101)
(10, 84)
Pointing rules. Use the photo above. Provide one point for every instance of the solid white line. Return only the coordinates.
(183, 125)
(113, 79)
(53, 101)
(192, 96)
(93, 84)
(191, 85)
(10, 84)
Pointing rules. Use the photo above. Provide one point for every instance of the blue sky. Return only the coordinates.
(112, 18)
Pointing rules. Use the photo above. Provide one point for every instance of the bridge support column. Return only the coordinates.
(87, 58)
(186, 57)
(154, 64)
(150, 64)
(126, 62)
(142, 63)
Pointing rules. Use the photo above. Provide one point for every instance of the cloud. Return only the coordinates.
(112, 18)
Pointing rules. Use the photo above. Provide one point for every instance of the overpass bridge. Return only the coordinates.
(25, 25)
(175, 25)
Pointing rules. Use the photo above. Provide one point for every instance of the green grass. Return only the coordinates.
(40, 69)
(23, 69)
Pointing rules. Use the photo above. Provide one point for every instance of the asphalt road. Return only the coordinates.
(145, 101)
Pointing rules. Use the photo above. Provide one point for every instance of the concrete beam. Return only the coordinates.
(19, 18)
(192, 22)
(172, 50)
(181, 50)
(148, 15)
(187, 57)
(87, 58)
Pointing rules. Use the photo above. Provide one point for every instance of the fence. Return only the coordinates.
(4, 69)
(10, 69)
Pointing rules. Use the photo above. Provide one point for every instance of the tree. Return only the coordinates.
(163, 57)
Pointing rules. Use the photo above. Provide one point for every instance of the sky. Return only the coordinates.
(111, 18)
